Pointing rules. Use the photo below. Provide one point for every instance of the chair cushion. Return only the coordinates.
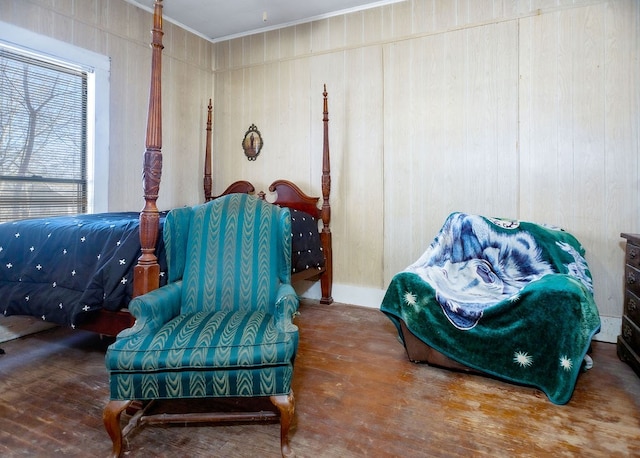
(204, 354)
(206, 340)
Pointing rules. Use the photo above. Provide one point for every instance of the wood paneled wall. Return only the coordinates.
(520, 109)
(515, 109)
(122, 32)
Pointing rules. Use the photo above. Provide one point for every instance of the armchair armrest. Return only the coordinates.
(286, 307)
(154, 309)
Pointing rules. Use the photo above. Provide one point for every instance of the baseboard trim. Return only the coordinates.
(372, 298)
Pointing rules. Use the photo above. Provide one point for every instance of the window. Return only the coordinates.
(43, 144)
(53, 127)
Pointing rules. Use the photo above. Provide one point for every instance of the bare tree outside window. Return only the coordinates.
(42, 138)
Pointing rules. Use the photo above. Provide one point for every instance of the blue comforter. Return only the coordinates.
(64, 267)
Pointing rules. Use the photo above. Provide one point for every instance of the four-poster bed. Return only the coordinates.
(146, 275)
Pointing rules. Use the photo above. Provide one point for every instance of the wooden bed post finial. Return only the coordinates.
(326, 166)
(208, 185)
(147, 272)
(325, 235)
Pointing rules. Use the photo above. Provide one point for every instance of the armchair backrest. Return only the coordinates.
(238, 253)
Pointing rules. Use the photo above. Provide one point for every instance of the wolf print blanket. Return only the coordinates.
(509, 298)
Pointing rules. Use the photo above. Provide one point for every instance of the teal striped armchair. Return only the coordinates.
(221, 327)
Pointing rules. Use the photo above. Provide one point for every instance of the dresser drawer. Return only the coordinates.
(628, 346)
(632, 307)
(632, 279)
(626, 354)
(631, 333)
(632, 255)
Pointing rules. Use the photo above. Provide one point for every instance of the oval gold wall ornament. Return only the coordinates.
(252, 143)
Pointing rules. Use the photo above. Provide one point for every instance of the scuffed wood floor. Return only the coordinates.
(356, 395)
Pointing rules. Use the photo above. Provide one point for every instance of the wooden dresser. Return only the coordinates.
(629, 339)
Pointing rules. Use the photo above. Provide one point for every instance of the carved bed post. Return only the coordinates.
(207, 159)
(326, 280)
(147, 272)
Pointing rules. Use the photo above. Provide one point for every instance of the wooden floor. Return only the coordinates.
(356, 394)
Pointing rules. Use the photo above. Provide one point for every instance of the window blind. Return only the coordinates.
(43, 137)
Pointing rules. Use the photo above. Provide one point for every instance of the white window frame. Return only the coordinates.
(98, 68)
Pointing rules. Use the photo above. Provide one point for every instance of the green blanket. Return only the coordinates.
(509, 298)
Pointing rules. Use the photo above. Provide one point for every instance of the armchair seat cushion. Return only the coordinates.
(202, 354)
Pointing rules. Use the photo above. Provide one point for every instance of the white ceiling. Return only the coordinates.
(218, 20)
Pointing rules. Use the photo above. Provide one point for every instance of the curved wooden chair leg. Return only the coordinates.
(286, 404)
(111, 419)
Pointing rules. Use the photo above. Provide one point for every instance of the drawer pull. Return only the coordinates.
(633, 253)
(631, 278)
(627, 332)
(633, 306)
